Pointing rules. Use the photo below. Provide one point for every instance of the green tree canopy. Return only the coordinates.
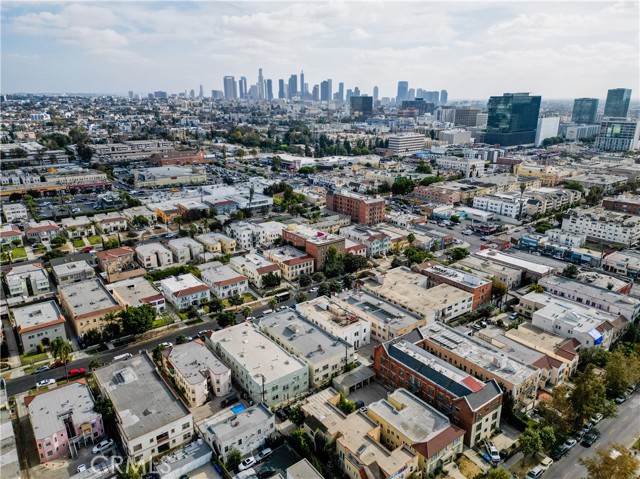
(139, 319)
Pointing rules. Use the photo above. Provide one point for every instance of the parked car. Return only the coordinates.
(579, 435)
(359, 404)
(281, 415)
(545, 461)
(620, 399)
(557, 453)
(534, 473)
(45, 382)
(82, 468)
(56, 364)
(265, 453)
(589, 439)
(266, 472)
(569, 444)
(247, 463)
(41, 369)
(166, 344)
(492, 451)
(597, 418)
(229, 400)
(102, 446)
(75, 372)
(313, 290)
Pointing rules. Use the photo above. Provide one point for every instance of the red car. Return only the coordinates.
(86, 249)
(57, 364)
(75, 372)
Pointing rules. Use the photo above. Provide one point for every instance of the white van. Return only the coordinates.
(121, 357)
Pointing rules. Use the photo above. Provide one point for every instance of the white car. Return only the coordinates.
(45, 382)
(166, 344)
(82, 468)
(102, 446)
(247, 463)
(313, 290)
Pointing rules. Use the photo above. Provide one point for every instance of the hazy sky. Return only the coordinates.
(472, 49)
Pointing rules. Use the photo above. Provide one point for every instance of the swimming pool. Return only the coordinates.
(238, 408)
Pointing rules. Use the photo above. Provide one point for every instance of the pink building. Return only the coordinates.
(63, 419)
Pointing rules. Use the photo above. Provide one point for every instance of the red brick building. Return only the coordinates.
(315, 243)
(439, 274)
(471, 404)
(186, 157)
(361, 208)
(624, 203)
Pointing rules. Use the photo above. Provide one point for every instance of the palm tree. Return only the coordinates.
(273, 302)
(62, 350)
(246, 311)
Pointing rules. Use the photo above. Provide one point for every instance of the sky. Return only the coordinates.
(472, 49)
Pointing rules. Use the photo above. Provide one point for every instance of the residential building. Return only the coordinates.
(439, 193)
(316, 243)
(470, 167)
(14, 212)
(376, 242)
(618, 134)
(360, 208)
(407, 289)
(217, 242)
(325, 354)
(530, 270)
(247, 235)
(73, 272)
(78, 227)
(513, 118)
(617, 104)
(354, 248)
(625, 263)
(38, 323)
(150, 420)
(245, 431)
(478, 286)
(333, 317)
(358, 440)
(153, 255)
(585, 111)
(40, 231)
(110, 222)
(608, 183)
(473, 405)
(27, 280)
(225, 281)
(117, 259)
(255, 267)
(273, 376)
(404, 419)
(505, 205)
(548, 174)
(547, 128)
(511, 277)
(143, 211)
(602, 225)
(135, 292)
(185, 249)
(87, 303)
(9, 234)
(176, 158)
(303, 470)
(166, 176)
(625, 203)
(406, 144)
(196, 372)
(63, 419)
(185, 290)
(292, 262)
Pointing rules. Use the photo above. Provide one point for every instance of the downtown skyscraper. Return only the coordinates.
(403, 92)
(512, 119)
(617, 105)
(585, 111)
(230, 88)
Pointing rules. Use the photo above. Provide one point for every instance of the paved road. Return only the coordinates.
(624, 429)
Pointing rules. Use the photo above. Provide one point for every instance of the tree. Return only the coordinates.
(62, 350)
(181, 339)
(138, 320)
(589, 397)
(334, 265)
(574, 185)
(498, 474)
(411, 238)
(557, 412)
(140, 221)
(305, 280)
(571, 271)
(615, 461)
(246, 311)
(535, 288)
(233, 459)
(273, 303)
(215, 305)
(354, 262)
(529, 442)
(130, 472)
(318, 277)
(402, 186)
(226, 318)
(345, 405)
(621, 371)
(236, 300)
(396, 262)
(498, 290)
(301, 297)
(458, 253)
(271, 280)
(423, 167)
(58, 241)
(455, 219)
(96, 363)
(297, 415)
(595, 195)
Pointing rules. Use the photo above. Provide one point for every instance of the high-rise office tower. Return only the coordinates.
(356, 91)
(303, 88)
(281, 92)
(293, 86)
(260, 85)
(444, 96)
(230, 88)
(324, 90)
(315, 94)
(130, 94)
(467, 116)
(585, 110)
(192, 93)
(403, 90)
(513, 119)
(617, 105)
(375, 93)
(269, 92)
(243, 87)
(361, 106)
(340, 92)
(162, 95)
(201, 92)
(432, 96)
(411, 94)
(349, 95)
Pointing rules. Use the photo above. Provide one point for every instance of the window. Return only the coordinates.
(137, 447)
(185, 426)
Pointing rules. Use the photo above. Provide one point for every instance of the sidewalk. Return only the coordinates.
(14, 351)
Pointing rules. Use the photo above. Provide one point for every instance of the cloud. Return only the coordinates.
(359, 34)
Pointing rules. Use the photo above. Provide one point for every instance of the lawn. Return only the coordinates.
(161, 321)
(78, 242)
(34, 357)
(18, 253)
(636, 445)
(95, 240)
(468, 468)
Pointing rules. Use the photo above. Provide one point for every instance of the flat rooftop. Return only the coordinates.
(88, 298)
(589, 291)
(135, 291)
(228, 425)
(221, 273)
(494, 255)
(256, 352)
(37, 315)
(313, 235)
(73, 267)
(194, 361)
(181, 283)
(140, 397)
(282, 254)
(461, 277)
(371, 308)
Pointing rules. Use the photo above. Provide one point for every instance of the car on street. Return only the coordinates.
(557, 453)
(568, 445)
(41, 369)
(247, 463)
(620, 399)
(313, 290)
(262, 455)
(545, 461)
(579, 435)
(75, 372)
(202, 333)
(534, 473)
(102, 446)
(166, 344)
(82, 468)
(597, 418)
(589, 439)
(45, 382)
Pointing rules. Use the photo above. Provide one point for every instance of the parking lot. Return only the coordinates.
(282, 458)
(372, 392)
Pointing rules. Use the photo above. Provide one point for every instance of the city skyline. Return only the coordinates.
(517, 48)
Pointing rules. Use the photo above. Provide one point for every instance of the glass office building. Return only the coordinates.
(617, 105)
(585, 111)
(512, 119)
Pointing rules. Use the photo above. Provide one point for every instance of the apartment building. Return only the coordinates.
(360, 208)
(549, 175)
(404, 288)
(117, 259)
(86, 304)
(544, 200)
(532, 271)
(478, 286)
(40, 231)
(265, 370)
(357, 438)
(602, 225)
(405, 419)
(470, 167)
(143, 211)
(150, 420)
(608, 183)
(506, 205)
(63, 419)
(134, 292)
(111, 222)
(376, 242)
(592, 295)
(440, 193)
(255, 267)
(626, 203)
(38, 323)
(473, 405)
(316, 243)
(78, 227)
(292, 262)
(272, 231)
(9, 234)
(73, 272)
(153, 255)
(217, 243)
(185, 290)
(27, 280)
(225, 281)
(247, 235)
(325, 354)
(406, 144)
(14, 212)
(197, 372)
(245, 431)
(185, 249)
(511, 277)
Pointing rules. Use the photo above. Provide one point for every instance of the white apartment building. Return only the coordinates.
(607, 182)
(185, 249)
(406, 144)
(509, 206)
(136, 292)
(144, 211)
(337, 320)
(272, 230)
(111, 222)
(153, 255)
(149, 418)
(470, 167)
(37, 322)
(376, 242)
(293, 263)
(78, 227)
(603, 225)
(27, 280)
(225, 281)
(255, 267)
(73, 272)
(565, 238)
(44, 230)
(247, 235)
(217, 242)
(198, 371)
(9, 234)
(185, 290)
(264, 369)
(245, 431)
(14, 212)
